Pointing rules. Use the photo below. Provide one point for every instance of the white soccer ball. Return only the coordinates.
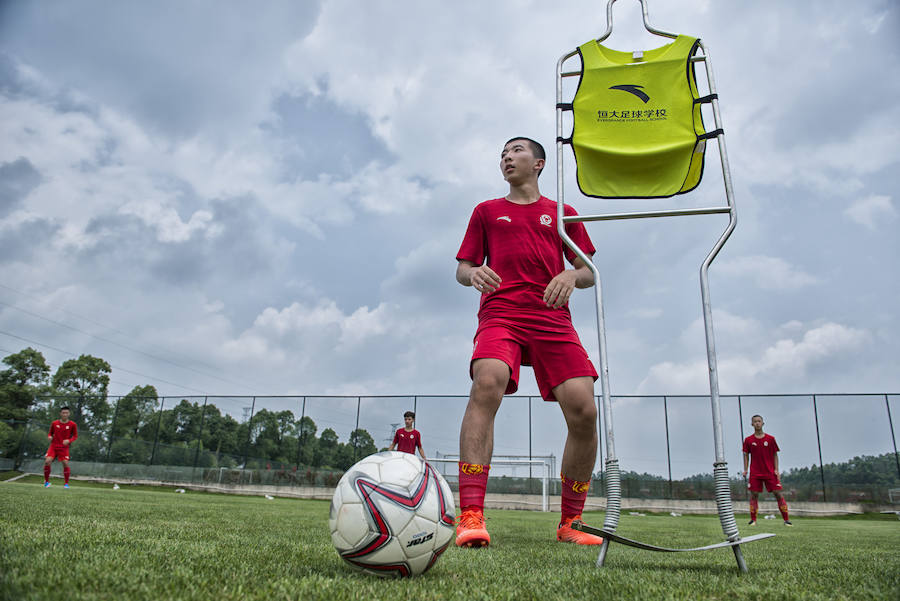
(392, 515)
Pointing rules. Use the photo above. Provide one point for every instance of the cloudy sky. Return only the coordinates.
(226, 199)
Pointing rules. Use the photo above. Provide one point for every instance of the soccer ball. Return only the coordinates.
(392, 514)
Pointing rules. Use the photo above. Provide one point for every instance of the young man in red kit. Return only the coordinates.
(407, 439)
(63, 433)
(512, 256)
(761, 451)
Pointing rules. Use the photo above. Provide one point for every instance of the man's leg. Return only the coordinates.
(476, 445)
(576, 399)
(782, 507)
(754, 506)
(66, 472)
(47, 462)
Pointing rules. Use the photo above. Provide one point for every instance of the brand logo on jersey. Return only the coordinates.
(505, 218)
(546, 219)
(765, 444)
(633, 89)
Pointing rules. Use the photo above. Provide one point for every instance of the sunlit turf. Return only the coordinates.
(99, 543)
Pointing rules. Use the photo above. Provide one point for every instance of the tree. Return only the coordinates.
(26, 377)
(86, 380)
(134, 410)
(326, 448)
(362, 444)
(307, 440)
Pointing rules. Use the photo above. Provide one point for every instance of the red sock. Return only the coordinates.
(66, 472)
(754, 508)
(574, 494)
(782, 507)
(46, 472)
(472, 485)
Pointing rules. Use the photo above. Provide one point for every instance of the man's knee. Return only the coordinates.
(489, 380)
(576, 399)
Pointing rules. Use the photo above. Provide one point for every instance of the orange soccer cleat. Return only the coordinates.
(471, 531)
(566, 534)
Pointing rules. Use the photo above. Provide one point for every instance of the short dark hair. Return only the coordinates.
(65, 409)
(757, 415)
(411, 414)
(536, 149)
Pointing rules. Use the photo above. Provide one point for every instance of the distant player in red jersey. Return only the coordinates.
(761, 452)
(63, 433)
(407, 439)
(512, 255)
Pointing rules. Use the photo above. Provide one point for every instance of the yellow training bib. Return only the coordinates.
(638, 130)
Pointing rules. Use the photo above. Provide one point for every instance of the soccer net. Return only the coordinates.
(446, 465)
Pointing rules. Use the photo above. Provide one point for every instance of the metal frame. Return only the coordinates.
(720, 467)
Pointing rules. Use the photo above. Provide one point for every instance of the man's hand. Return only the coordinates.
(745, 473)
(560, 288)
(484, 279)
(66, 442)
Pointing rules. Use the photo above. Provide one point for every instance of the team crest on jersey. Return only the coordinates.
(765, 444)
(546, 219)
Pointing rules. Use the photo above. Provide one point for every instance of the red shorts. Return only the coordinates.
(60, 453)
(755, 483)
(556, 355)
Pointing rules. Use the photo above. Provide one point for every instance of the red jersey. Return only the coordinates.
(762, 454)
(522, 246)
(407, 441)
(60, 431)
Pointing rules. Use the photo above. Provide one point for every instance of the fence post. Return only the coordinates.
(356, 443)
(111, 428)
(199, 438)
(529, 445)
(887, 404)
(162, 402)
(300, 440)
(741, 426)
(668, 451)
(18, 462)
(249, 432)
(819, 444)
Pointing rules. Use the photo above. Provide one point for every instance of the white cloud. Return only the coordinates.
(321, 322)
(872, 211)
(768, 273)
(776, 368)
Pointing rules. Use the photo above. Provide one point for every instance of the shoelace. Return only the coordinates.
(470, 519)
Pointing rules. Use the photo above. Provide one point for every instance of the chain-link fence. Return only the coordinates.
(834, 447)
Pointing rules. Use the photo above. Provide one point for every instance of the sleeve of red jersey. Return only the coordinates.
(418, 439)
(50, 432)
(746, 447)
(473, 244)
(775, 444)
(74, 433)
(396, 437)
(579, 236)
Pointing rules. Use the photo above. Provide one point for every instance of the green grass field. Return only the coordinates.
(92, 542)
